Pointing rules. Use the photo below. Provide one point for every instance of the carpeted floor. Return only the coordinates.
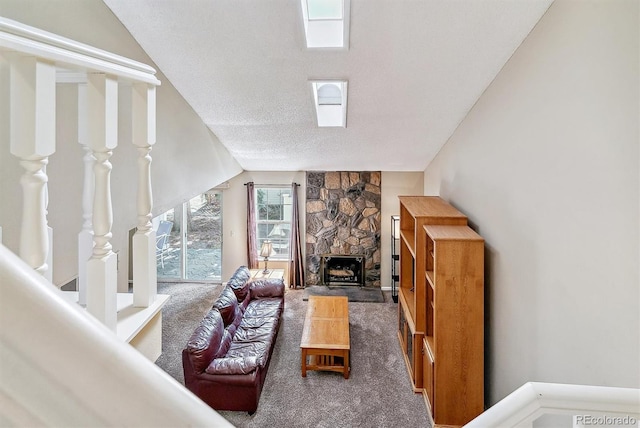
(378, 392)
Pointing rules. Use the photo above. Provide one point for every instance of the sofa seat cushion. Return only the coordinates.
(254, 322)
(263, 308)
(233, 365)
(259, 350)
(261, 333)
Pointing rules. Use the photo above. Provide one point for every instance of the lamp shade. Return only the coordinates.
(267, 249)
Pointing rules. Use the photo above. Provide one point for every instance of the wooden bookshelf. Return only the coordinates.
(415, 213)
(453, 344)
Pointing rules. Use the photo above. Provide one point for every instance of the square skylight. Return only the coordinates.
(326, 23)
(324, 9)
(330, 99)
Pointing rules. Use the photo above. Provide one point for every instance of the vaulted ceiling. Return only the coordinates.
(414, 69)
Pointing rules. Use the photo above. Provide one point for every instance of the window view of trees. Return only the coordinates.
(193, 249)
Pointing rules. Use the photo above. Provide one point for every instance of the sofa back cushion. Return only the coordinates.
(271, 287)
(227, 304)
(225, 343)
(239, 283)
(205, 341)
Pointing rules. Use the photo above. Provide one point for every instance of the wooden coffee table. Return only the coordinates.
(325, 340)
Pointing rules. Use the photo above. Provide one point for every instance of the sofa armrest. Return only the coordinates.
(267, 288)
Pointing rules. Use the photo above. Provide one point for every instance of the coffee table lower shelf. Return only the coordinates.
(327, 360)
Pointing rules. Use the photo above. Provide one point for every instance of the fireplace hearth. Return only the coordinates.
(342, 270)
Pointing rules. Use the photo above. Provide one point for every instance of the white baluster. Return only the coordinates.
(85, 237)
(144, 241)
(32, 135)
(102, 103)
(49, 272)
(34, 236)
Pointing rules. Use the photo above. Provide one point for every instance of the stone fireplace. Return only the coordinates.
(342, 214)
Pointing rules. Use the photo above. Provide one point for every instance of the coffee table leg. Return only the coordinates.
(303, 358)
(346, 364)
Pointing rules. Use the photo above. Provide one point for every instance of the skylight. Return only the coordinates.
(326, 23)
(324, 9)
(330, 98)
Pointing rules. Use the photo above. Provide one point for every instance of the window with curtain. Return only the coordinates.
(273, 219)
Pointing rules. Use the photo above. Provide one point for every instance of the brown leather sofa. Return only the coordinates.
(226, 359)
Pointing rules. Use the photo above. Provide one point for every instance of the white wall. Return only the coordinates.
(394, 184)
(187, 158)
(546, 167)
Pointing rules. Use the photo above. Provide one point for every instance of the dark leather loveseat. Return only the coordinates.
(226, 359)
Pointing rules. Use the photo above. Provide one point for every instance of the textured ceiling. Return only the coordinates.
(415, 68)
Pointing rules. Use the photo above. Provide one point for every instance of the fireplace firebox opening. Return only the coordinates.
(342, 270)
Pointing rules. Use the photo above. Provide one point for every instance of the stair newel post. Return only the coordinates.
(144, 240)
(85, 237)
(32, 140)
(102, 103)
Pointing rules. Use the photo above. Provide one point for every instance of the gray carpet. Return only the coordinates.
(354, 293)
(378, 392)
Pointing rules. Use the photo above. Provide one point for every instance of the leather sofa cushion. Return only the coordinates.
(267, 288)
(225, 343)
(254, 322)
(205, 341)
(262, 333)
(227, 304)
(258, 349)
(233, 365)
(239, 283)
(266, 307)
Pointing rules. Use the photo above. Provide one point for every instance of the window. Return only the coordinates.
(326, 23)
(192, 250)
(330, 98)
(273, 218)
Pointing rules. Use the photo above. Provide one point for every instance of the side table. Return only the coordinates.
(272, 273)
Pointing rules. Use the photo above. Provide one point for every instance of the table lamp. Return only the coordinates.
(265, 251)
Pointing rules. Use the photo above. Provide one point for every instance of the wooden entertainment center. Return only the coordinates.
(441, 308)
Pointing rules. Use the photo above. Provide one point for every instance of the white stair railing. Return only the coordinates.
(61, 367)
(588, 405)
(38, 60)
